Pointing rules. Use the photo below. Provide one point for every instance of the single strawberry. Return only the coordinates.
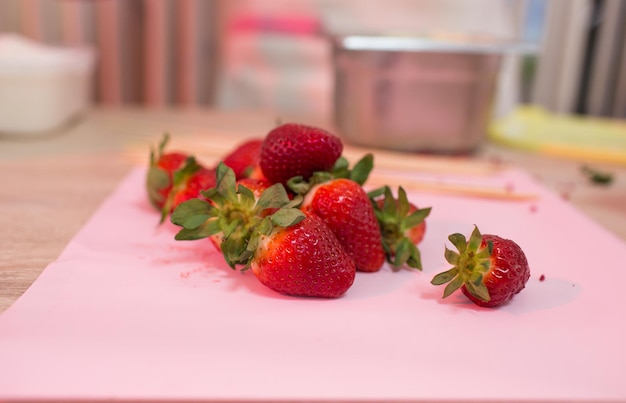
(346, 209)
(244, 159)
(161, 172)
(297, 150)
(290, 251)
(305, 259)
(490, 270)
(337, 196)
(402, 226)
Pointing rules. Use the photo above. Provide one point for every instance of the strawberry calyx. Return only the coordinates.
(470, 263)
(359, 173)
(395, 219)
(234, 213)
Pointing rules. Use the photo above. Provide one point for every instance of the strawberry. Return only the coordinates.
(244, 159)
(346, 209)
(290, 251)
(490, 270)
(190, 186)
(161, 172)
(303, 260)
(402, 226)
(297, 150)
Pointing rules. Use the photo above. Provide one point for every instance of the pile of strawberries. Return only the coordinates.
(290, 208)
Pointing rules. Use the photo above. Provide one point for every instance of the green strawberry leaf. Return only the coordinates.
(246, 197)
(362, 169)
(459, 241)
(341, 168)
(205, 230)
(192, 213)
(231, 250)
(403, 252)
(274, 196)
(478, 289)
(298, 185)
(452, 286)
(475, 240)
(407, 254)
(156, 179)
(416, 217)
(445, 276)
(415, 260)
(452, 257)
(402, 203)
(287, 217)
(226, 181)
(376, 193)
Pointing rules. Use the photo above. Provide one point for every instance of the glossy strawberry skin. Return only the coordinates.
(508, 274)
(298, 150)
(305, 259)
(170, 162)
(200, 180)
(167, 163)
(346, 209)
(244, 159)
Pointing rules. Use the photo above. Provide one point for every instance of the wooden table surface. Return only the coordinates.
(52, 183)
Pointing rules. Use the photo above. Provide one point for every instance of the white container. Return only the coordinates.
(41, 87)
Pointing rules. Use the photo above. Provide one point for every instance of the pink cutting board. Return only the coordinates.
(128, 313)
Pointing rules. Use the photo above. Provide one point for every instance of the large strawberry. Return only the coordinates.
(337, 196)
(490, 270)
(347, 210)
(161, 172)
(288, 250)
(298, 150)
(402, 226)
(244, 159)
(305, 259)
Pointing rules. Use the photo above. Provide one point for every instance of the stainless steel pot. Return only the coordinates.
(412, 94)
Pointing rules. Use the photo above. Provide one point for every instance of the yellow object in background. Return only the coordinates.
(591, 139)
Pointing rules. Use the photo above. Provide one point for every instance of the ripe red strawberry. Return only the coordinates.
(346, 209)
(490, 270)
(161, 171)
(297, 150)
(402, 226)
(290, 251)
(191, 186)
(305, 259)
(244, 159)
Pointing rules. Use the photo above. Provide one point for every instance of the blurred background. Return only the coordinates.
(276, 54)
